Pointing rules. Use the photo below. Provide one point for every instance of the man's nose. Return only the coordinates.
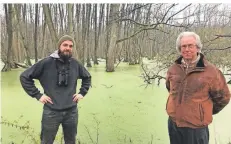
(68, 48)
(186, 48)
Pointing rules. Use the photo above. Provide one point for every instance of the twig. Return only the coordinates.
(223, 35)
(97, 136)
(151, 25)
(118, 62)
(218, 49)
(217, 37)
(168, 11)
(107, 86)
(151, 138)
(178, 12)
(89, 134)
(25, 128)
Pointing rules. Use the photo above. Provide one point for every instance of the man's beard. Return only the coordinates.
(64, 56)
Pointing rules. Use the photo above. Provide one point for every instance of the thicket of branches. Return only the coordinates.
(115, 32)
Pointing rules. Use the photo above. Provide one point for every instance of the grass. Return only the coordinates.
(124, 110)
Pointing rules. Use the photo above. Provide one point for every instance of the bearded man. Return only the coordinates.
(58, 75)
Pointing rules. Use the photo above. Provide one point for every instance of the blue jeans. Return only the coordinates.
(51, 121)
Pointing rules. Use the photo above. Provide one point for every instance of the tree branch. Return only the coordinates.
(168, 11)
(217, 36)
(178, 12)
(218, 49)
(154, 24)
(147, 28)
(228, 74)
(137, 32)
(129, 12)
(223, 36)
(150, 26)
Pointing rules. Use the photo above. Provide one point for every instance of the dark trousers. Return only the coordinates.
(51, 121)
(184, 135)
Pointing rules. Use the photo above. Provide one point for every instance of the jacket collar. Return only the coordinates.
(55, 55)
(200, 63)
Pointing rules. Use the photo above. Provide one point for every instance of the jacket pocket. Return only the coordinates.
(166, 106)
(170, 106)
(175, 84)
(191, 113)
(201, 112)
(207, 108)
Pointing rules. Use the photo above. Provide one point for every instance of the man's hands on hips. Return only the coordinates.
(77, 97)
(44, 99)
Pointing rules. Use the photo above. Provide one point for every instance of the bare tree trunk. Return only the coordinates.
(131, 44)
(101, 27)
(65, 18)
(22, 35)
(30, 30)
(35, 32)
(70, 19)
(120, 32)
(8, 14)
(107, 29)
(19, 48)
(78, 30)
(50, 25)
(15, 52)
(43, 35)
(78, 9)
(70, 9)
(125, 43)
(61, 14)
(113, 37)
(136, 47)
(96, 36)
(87, 39)
(82, 55)
(56, 22)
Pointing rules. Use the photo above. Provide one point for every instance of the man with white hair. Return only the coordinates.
(197, 91)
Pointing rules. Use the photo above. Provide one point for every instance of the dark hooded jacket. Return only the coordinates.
(46, 71)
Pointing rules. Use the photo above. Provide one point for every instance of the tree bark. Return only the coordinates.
(61, 14)
(101, 28)
(50, 25)
(87, 39)
(96, 36)
(8, 16)
(82, 52)
(35, 33)
(22, 35)
(70, 19)
(113, 37)
(43, 35)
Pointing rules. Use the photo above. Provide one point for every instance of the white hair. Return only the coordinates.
(184, 34)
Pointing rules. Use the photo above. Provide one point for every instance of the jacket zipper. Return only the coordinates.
(184, 86)
(183, 91)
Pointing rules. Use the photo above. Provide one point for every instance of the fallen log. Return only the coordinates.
(21, 65)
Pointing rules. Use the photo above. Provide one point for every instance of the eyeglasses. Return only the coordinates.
(66, 45)
(190, 46)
